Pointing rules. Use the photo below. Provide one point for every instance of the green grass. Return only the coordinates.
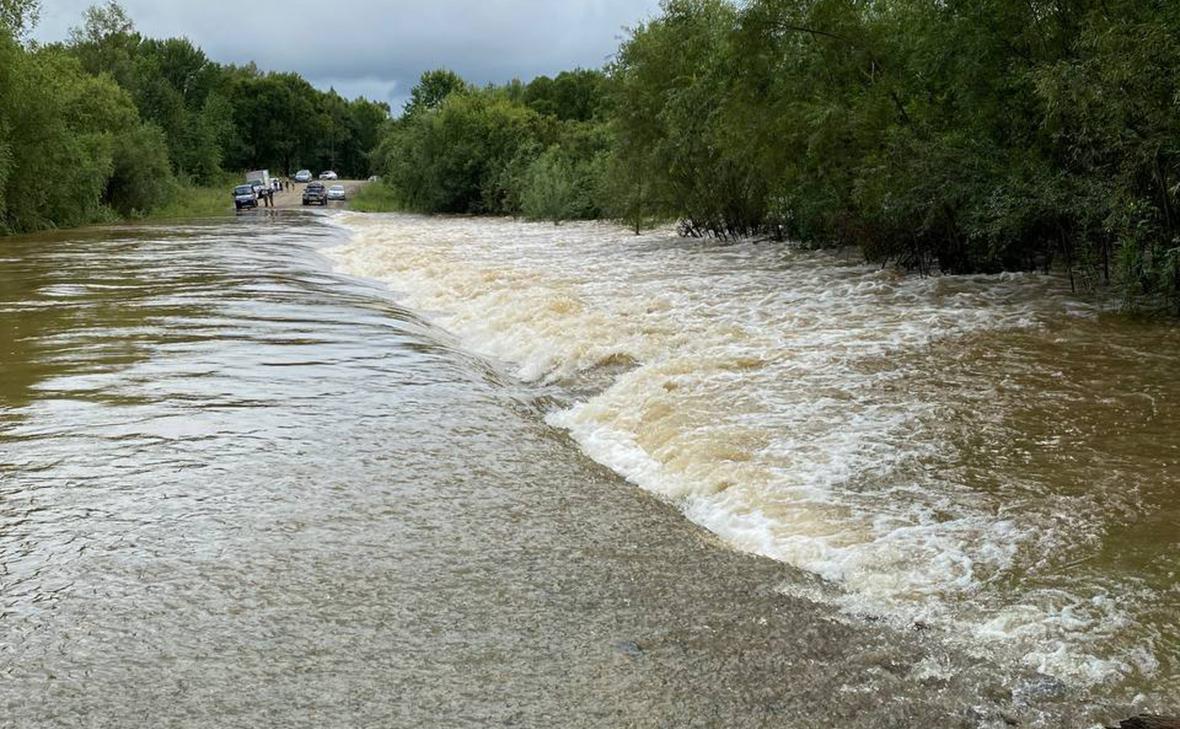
(375, 197)
(189, 201)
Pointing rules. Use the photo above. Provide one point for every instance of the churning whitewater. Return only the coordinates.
(956, 452)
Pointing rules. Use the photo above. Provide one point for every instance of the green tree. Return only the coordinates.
(141, 175)
(455, 158)
(106, 42)
(18, 17)
(432, 90)
(577, 95)
(62, 140)
(551, 190)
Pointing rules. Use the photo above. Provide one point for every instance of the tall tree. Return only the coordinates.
(19, 17)
(432, 89)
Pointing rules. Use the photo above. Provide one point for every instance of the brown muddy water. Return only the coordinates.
(388, 471)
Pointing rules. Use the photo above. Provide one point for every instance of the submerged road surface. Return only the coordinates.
(238, 489)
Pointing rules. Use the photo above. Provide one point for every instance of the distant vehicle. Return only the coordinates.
(374, 178)
(259, 178)
(245, 196)
(315, 193)
(303, 176)
(336, 192)
(329, 175)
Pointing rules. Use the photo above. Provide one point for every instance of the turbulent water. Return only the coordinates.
(988, 456)
(244, 484)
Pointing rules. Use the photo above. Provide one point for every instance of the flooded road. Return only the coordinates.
(987, 455)
(239, 488)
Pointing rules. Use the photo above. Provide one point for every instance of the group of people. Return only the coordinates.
(267, 194)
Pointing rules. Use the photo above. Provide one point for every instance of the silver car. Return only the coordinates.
(336, 192)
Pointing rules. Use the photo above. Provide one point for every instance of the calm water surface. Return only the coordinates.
(239, 488)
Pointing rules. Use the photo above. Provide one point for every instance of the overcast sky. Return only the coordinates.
(378, 48)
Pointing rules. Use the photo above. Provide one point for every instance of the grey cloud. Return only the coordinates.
(379, 47)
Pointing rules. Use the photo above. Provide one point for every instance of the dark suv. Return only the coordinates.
(245, 197)
(315, 193)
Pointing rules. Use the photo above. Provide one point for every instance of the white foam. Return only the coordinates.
(773, 399)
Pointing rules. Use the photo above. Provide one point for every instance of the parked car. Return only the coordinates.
(303, 176)
(315, 193)
(336, 192)
(329, 175)
(245, 197)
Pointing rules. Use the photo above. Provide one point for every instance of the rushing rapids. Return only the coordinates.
(240, 488)
(987, 455)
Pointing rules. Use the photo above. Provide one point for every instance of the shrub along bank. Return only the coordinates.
(961, 136)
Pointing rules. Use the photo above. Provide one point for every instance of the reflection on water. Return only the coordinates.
(982, 454)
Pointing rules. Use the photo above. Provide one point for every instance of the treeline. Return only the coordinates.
(111, 123)
(540, 149)
(960, 135)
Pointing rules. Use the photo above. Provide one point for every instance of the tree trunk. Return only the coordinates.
(1162, 176)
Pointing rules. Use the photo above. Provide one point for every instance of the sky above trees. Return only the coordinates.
(378, 48)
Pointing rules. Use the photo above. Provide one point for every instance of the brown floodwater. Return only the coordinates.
(301, 470)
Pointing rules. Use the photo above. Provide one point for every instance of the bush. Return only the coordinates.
(561, 186)
(551, 191)
(455, 158)
(142, 177)
(375, 197)
(61, 140)
(187, 201)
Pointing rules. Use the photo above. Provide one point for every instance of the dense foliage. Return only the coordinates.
(112, 123)
(961, 135)
(967, 135)
(538, 149)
